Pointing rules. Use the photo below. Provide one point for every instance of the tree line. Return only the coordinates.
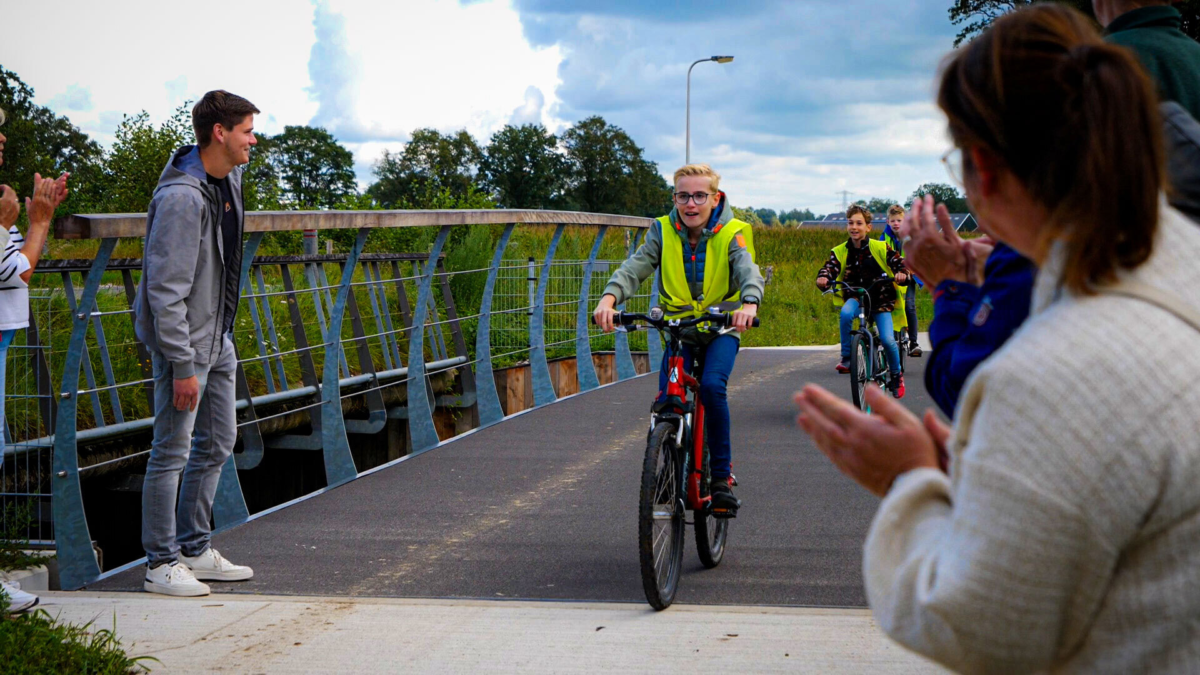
(593, 166)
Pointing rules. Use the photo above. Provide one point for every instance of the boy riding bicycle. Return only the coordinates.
(859, 262)
(705, 260)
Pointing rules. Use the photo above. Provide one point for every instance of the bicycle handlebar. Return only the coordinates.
(631, 318)
(857, 290)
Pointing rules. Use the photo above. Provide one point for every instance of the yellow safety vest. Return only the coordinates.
(879, 251)
(675, 295)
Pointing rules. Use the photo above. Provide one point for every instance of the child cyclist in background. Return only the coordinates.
(860, 261)
(906, 315)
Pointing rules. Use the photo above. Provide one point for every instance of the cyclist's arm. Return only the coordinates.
(744, 272)
(832, 268)
(625, 282)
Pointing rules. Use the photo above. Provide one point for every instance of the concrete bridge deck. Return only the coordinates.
(543, 506)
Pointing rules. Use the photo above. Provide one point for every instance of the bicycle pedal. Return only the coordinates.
(724, 514)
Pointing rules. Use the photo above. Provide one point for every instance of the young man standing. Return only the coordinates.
(184, 315)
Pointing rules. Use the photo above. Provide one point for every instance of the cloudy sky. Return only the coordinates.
(824, 95)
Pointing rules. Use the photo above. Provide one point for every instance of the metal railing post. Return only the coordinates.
(584, 368)
(625, 369)
(490, 411)
(77, 564)
(420, 408)
(339, 463)
(539, 369)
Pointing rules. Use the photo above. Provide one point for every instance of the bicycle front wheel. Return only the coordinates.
(860, 370)
(661, 517)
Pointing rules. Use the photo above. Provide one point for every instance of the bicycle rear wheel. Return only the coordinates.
(661, 517)
(861, 370)
(711, 533)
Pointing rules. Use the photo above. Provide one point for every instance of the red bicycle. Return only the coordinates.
(676, 476)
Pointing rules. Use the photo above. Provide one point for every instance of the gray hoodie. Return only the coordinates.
(180, 301)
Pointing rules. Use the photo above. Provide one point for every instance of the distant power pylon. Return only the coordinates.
(845, 198)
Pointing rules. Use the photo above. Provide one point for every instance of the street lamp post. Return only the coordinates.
(688, 141)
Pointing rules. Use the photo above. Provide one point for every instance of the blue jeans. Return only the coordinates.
(714, 363)
(6, 338)
(186, 457)
(883, 322)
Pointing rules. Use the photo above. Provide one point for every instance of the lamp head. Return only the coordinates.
(722, 59)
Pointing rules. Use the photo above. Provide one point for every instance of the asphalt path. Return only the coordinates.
(544, 506)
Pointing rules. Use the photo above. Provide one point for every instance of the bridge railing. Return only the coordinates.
(326, 344)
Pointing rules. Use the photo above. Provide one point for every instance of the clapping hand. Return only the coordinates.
(872, 449)
(931, 253)
(48, 194)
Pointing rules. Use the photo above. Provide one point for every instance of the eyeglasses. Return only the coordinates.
(953, 161)
(698, 198)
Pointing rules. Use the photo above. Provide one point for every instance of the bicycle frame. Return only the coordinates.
(689, 418)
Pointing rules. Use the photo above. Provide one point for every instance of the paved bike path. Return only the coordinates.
(543, 506)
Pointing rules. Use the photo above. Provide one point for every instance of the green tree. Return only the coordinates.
(139, 153)
(315, 171)
(768, 216)
(877, 204)
(260, 181)
(523, 168)
(748, 215)
(974, 16)
(41, 142)
(797, 216)
(942, 194)
(608, 173)
(430, 163)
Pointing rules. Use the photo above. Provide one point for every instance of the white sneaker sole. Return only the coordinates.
(30, 605)
(177, 591)
(233, 575)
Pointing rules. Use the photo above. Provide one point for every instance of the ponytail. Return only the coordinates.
(1075, 119)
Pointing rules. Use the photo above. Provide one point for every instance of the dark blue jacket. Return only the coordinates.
(971, 322)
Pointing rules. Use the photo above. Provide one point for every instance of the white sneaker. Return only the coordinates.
(18, 600)
(174, 579)
(212, 566)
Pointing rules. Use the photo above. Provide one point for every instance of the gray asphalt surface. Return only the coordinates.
(543, 506)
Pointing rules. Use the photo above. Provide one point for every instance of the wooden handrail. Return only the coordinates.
(108, 225)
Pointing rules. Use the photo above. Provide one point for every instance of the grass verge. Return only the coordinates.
(35, 643)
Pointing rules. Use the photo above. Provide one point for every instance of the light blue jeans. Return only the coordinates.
(6, 338)
(883, 322)
(189, 448)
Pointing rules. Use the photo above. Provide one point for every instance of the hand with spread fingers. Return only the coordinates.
(48, 194)
(932, 253)
(871, 449)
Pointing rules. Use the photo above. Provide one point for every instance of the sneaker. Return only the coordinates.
(843, 366)
(724, 504)
(914, 350)
(173, 579)
(18, 600)
(896, 385)
(212, 566)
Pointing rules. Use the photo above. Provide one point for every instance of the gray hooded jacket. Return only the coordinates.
(180, 301)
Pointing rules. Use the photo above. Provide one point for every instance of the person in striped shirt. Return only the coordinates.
(16, 267)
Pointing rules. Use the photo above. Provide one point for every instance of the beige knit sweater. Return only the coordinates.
(1067, 536)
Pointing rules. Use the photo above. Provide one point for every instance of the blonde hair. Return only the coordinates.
(895, 210)
(714, 178)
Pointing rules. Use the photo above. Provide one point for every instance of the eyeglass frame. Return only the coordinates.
(692, 197)
(956, 168)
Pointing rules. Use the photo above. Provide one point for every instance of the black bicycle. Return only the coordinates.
(676, 475)
(868, 362)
